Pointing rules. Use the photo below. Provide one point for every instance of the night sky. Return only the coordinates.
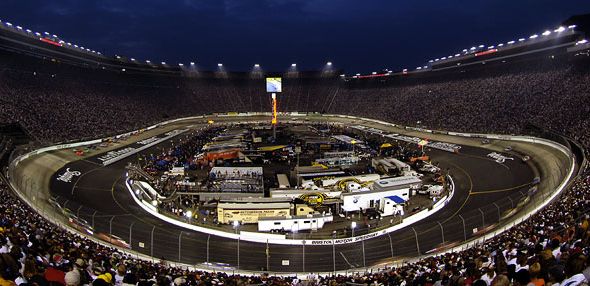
(356, 35)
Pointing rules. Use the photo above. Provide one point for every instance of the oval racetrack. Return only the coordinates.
(485, 191)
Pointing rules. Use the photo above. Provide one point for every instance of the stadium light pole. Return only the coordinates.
(390, 244)
(208, 238)
(442, 232)
(111, 229)
(93, 215)
(364, 259)
(333, 253)
(179, 245)
(483, 220)
(498, 207)
(267, 252)
(417, 244)
(464, 230)
(303, 255)
(152, 243)
(131, 234)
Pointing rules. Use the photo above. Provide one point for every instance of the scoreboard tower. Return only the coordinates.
(274, 86)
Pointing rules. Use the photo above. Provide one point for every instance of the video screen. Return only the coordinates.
(273, 84)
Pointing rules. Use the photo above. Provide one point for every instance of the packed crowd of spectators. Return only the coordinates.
(550, 248)
(547, 92)
(57, 102)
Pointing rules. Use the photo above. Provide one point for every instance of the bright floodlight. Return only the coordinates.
(353, 224)
(188, 214)
(430, 61)
(473, 48)
(511, 42)
(374, 73)
(571, 26)
(521, 40)
(180, 64)
(358, 74)
(192, 63)
(456, 55)
(534, 36)
(19, 27)
(148, 61)
(219, 64)
(154, 203)
(546, 33)
(500, 45)
(236, 223)
(132, 59)
(560, 29)
(481, 46)
(490, 47)
(256, 65)
(293, 65)
(329, 63)
(163, 63)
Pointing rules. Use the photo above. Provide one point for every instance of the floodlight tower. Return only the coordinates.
(274, 115)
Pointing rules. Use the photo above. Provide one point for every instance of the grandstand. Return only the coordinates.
(53, 92)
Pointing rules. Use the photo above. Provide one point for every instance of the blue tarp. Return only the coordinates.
(396, 199)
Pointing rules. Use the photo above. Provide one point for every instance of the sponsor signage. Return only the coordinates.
(499, 157)
(114, 154)
(449, 147)
(119, 154)
(347, 239)
(68, 175)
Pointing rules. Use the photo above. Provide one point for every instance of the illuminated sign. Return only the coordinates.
(273, 84)
(485, 52)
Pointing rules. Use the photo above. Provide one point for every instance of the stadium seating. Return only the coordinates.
(56, 101)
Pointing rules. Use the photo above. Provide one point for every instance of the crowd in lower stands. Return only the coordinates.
(550, 248)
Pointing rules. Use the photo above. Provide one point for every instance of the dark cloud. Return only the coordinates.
(355, 35)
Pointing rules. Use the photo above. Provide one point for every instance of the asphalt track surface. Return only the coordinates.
(485, 190)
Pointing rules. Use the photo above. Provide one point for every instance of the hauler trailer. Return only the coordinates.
(294, 223)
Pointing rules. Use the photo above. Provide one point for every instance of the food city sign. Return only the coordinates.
(347, 240)
(68, 175)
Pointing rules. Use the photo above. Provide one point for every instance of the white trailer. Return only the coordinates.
(294, 223)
